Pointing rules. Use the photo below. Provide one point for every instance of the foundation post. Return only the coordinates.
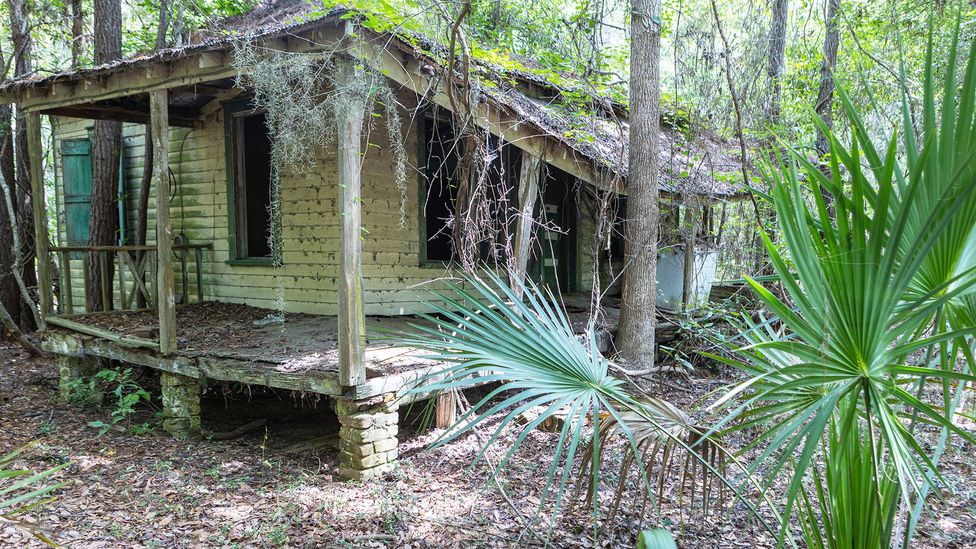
(75, 379)
(367, 437)
(181, 405)
(445, 410)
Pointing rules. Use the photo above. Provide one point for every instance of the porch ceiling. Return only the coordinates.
(187, 105)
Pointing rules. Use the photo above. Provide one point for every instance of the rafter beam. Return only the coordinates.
(184, 118)
(193, 67)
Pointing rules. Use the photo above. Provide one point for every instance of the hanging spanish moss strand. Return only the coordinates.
(299, 94)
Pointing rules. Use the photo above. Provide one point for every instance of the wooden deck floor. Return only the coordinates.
(239, 343)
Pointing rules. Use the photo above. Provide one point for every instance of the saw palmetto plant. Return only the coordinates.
(869, 340)
(22, 490)
(878, 283)
(519, 338)
(662, 440)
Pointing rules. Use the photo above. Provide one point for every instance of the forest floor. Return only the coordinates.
(278, 487)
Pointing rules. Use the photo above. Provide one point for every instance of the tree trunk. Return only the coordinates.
(142, 211)
(163, 26)
(103, 221)
(777, 59)
(825, 97)
(635, 337)
(9, 293)
(23, 65)
(77, 33)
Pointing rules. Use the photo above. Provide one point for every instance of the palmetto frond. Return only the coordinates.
(867, 279)
(523, 341)
(661, 453)
(22, 490)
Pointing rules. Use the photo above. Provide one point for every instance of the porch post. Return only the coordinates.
(33, 122)
(691, 229)
(165, 299)
(352, 318)
(528, 193)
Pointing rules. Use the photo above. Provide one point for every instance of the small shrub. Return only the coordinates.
(128, 394)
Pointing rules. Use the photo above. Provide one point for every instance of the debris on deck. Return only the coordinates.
(235, 331)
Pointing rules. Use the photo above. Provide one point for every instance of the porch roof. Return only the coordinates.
(521, 105)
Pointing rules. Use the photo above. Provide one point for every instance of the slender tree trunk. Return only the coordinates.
(774, 73)
(635, 337)
(77, 33)
(23, 65)
(146, 185)
(105, 160)
(9, 293)
(142, 211)
(777, 59)
(825, 97)
(163, 26)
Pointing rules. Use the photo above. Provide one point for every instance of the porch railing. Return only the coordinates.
(127, 276)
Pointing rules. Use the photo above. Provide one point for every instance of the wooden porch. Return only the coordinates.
(248, 345)
(155, 322)
(330, 355)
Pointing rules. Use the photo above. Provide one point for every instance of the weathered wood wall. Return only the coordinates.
(185, 153)
(395, 282)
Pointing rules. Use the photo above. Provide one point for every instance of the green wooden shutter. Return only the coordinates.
(76, 166)
(122, 230)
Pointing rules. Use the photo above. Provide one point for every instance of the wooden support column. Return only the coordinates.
(691, 229)
(528, 193)
(352, 317)
(445, 409)
(165, 298)
(36, 153)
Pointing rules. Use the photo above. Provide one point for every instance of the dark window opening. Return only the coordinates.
(501, 186)
(618, 211)
(441, 153)
(252, 185)
(554, 260)
(441, 167)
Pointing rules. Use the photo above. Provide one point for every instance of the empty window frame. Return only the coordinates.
(440, 160)
(440, 153)
(250, 187)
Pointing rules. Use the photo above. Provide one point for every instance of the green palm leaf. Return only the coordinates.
(867, 283)
(489, 332)
(22, 490)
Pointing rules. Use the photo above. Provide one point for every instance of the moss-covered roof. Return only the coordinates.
(561, 106)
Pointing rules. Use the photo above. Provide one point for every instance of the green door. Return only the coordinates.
(77, 181)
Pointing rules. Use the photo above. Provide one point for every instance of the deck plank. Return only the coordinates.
(239, 343)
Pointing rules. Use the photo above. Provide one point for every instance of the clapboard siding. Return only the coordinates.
(395, 282)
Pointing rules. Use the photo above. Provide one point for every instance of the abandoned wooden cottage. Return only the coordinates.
(206, 300)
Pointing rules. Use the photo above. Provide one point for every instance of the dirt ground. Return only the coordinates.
(278, 487)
